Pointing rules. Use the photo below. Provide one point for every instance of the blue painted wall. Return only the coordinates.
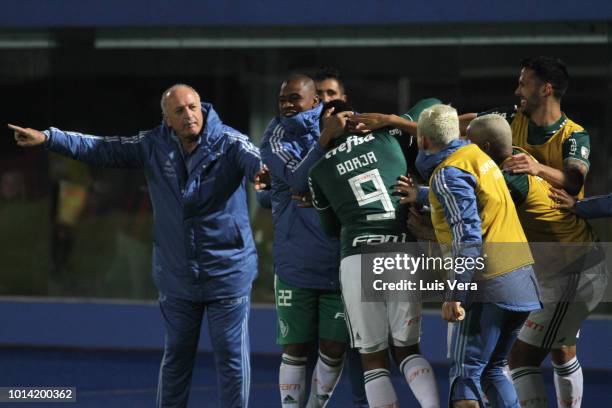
(138, 326)
(115, 13)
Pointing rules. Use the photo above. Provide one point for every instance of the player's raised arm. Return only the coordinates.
(367, 122)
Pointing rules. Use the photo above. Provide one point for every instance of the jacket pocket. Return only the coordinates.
(221, 233)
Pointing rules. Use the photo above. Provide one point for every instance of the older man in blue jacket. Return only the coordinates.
(204, 257)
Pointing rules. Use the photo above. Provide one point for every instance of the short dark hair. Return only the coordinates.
(329, 73)
(339, 106)
(551, 70)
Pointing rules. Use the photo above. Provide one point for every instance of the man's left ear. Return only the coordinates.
(317, 100)
(547, 89)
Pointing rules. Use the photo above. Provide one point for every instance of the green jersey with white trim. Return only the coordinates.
(352, 187)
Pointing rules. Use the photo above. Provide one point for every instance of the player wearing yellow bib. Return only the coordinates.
(472, 211)
(560, 146)
(581, 269)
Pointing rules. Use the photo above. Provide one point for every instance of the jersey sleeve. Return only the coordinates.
(518, 184)
(507, 112)
(577, 147)
(415, 111)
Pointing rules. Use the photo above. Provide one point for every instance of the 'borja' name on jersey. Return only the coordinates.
(347, 146)
(356, 162)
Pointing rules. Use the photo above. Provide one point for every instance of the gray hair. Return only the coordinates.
(169, 91)
(439, 125)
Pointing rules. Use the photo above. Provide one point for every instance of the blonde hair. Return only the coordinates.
(492, 128)
(439, 125)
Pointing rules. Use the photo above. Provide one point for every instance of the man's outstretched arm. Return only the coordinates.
(111, 151)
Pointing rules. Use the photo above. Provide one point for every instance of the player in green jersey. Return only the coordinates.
(352, 189)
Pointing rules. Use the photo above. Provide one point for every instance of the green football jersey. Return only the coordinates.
(352, 187)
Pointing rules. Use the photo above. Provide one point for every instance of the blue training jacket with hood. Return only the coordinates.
(455, 189)
(203, 246)
(303, 255)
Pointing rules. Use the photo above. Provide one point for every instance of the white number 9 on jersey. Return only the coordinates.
(379, 194)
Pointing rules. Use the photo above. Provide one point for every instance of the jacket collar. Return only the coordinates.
(302, 123)
(213, 128)
(426, 163)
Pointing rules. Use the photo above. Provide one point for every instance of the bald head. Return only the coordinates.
(300, 80)
(297, 94)
(493, 135)
(172, 90)
(182, 111)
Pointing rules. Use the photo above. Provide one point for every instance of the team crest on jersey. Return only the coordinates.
(284, 327)
(584, 152)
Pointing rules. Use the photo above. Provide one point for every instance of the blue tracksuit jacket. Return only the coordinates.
(455, 189)
(203, 246)
(303, 255)
(595, 207)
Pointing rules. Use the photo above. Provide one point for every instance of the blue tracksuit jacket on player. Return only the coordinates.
(455, 190)
(479, 344)
(204, 257)
(303, 255)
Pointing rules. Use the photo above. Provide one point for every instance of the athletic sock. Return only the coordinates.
(379, 390)
(568, 384)
(324, 379)
(421, 380)
(529, 386)
(292, 381)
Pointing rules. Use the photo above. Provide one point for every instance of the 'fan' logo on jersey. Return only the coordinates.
(375, 239)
